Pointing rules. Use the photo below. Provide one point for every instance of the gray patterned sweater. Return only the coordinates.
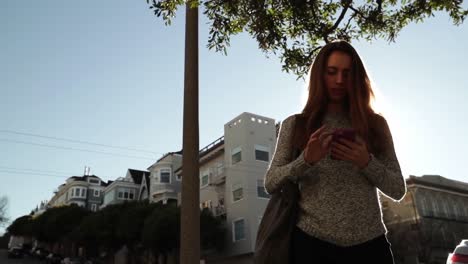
(339, 202)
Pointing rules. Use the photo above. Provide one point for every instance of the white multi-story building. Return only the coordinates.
(232, 170)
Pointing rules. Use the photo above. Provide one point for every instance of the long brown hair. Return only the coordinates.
(358, 103)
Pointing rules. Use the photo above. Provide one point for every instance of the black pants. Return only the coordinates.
(307, 249)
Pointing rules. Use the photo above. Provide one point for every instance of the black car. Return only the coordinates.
(41, 253)
(15, 252)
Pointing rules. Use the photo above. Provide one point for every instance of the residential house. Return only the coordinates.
(85, 191)
(164, 183)
(430, 221)
(124, 188)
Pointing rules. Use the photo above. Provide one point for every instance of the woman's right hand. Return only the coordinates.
(318, 145)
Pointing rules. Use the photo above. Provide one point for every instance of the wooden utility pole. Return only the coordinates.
(190, 212)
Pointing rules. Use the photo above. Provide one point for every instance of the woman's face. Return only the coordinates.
(337, 76)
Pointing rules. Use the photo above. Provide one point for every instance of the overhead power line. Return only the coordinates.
(31, 173)
(36, 170)
(76, 149)
(77, 141)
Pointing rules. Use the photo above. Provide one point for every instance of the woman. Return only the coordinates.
(340, 219)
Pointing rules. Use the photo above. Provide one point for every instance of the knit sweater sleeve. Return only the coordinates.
(383, 169)
(282, 166)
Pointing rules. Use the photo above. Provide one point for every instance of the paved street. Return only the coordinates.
(25, 260)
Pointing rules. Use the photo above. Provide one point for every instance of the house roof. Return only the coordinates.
(137, 175)
(209, 152)
(169, 153)
(77, 178)
(83, 178)
(439, 182)
(164, 156)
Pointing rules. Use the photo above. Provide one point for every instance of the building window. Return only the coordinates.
(179, 177)
(446, 209)
(83, 192)
(165, 175)
(94, 181)
(262, 153)
(424, 207)
(236, 155)
(237, 192)
(435, 206)
(126, 194)
(93, 207)
(219, 168)
(261, 192)
(96, 193)
(238, 230)
(204, 180)
(77, 192)
(155, 176)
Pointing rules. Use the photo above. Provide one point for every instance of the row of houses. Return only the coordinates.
(232, 170)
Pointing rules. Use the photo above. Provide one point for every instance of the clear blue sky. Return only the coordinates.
(110, 72)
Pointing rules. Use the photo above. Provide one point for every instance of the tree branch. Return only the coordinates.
(379, 3)
(349, 21)
(312, 52)
(357, 12)
(337, 23)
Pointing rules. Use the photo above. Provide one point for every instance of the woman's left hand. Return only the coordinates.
(354, 152)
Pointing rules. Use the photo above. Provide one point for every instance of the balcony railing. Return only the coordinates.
(158, 189)
(219, 210)
(217, 175)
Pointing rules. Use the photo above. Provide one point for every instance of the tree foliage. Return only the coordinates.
(161, 230)
(57, 223)
(138, 225)
(297, 29)
(22, 226)
(212, 231)
(100, 229)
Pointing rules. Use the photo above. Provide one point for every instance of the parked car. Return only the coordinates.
(53, 258)
(73, 260)
(27, 249)
(460, 254)
(15, 252)
(40, 253)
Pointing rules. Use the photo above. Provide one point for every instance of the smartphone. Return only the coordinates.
(347, 133)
